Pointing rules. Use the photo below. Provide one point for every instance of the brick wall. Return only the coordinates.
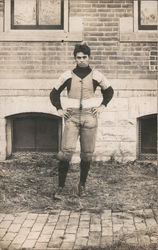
(101, 31)
(1, 7)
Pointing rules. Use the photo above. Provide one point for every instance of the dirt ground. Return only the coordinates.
(28, 182)
(121, 246)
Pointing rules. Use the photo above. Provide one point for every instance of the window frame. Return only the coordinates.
(69, 32)
(37, 26)
(140, 154)
(141, 26)
(131, 32)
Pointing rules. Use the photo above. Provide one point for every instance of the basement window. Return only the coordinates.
(33, 132)
(147, 136)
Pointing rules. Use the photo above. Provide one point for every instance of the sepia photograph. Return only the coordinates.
(78, 124)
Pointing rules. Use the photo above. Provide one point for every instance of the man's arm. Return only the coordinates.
(63, 82)
(55, 98)
(107, 95)
(106, 90)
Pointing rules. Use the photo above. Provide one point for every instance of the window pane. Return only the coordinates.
(50, 12)
(24, 12)
(148, 12)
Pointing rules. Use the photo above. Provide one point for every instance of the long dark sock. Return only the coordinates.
(84, 168)
(62, 171)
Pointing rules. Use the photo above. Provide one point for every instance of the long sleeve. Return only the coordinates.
(107, 95)
(55, 98)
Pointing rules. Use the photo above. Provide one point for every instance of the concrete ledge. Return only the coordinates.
(45, 92)
(47, 84)
(45, 36)
(138, 37)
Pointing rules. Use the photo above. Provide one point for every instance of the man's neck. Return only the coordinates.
(84, 68)
(82, 72)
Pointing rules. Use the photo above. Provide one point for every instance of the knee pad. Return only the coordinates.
(64, 156)
(86, 156)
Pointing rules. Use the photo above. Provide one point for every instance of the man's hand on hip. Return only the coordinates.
(64, 113)
(98, 110)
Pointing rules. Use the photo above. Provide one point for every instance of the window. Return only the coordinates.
(142, 27)
(33, 132)
(147, 136)
(147, 15)
(37, 14)
(39, 20)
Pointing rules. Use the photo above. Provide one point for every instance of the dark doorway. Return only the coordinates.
(148, 135)
(36, 132)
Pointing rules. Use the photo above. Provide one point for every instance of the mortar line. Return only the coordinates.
(54, 228)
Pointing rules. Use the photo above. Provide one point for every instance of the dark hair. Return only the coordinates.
(82, 48)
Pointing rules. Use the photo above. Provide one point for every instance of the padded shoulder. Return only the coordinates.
(63, 78)
(101, 79)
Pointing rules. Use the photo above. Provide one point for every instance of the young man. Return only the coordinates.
(81, 113)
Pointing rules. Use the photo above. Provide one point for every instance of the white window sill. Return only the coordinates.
(139, 36)
(38, 35)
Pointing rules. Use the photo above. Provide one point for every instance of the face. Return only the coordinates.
(82, 59)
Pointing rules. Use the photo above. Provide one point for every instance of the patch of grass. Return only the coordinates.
(28, 181)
